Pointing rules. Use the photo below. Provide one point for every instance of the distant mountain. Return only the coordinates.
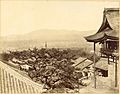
(54, 38)
(48, 35)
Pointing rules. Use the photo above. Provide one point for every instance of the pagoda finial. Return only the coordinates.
(45, 44)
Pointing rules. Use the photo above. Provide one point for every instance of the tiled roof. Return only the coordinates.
(13, 82)
(85, 64)
(101, 64)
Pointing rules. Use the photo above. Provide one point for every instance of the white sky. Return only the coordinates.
(19, 17)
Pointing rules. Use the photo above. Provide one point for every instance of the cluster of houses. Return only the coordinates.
(22, 65)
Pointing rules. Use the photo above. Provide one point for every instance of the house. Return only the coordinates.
(82, 65)
(108, 38)
(25, 67)
(86, 66)
(102, 67)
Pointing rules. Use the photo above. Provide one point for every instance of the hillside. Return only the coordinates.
(49, 34)
(54, 38)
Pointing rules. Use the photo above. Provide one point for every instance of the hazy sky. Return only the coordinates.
(19, 17)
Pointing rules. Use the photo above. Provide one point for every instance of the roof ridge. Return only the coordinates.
(111, 9)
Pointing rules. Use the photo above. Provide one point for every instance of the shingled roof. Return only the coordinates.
(109, 28)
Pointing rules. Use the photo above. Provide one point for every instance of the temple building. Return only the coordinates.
(108, 38)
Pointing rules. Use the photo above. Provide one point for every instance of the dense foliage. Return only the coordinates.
(52, 67)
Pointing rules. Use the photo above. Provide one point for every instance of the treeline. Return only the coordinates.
(41, 53)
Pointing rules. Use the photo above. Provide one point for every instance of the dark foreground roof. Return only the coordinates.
(109, 28)
(11, 82)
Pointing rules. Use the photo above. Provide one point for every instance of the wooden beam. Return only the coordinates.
(94, 68)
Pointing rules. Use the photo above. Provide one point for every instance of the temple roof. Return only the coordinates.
(109, 28)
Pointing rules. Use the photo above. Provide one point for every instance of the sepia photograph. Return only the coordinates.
(59, 46)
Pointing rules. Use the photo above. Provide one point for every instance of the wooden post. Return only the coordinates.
(94, 67)
(116, 73)
(113, 59)
(108, 60)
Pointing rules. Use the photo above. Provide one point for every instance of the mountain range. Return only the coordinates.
(49, 34)
(54, 38)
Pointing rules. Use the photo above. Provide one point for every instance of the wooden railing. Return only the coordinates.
(107, 52)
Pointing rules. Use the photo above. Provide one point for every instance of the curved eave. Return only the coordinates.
(98, 37)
